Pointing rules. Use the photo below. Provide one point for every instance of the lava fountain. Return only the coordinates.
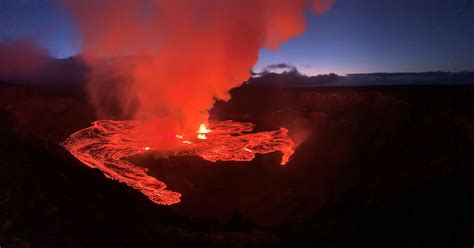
(107, 143)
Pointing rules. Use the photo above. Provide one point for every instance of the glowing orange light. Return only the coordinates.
(202, 131)
(106, 142)
(179, 136)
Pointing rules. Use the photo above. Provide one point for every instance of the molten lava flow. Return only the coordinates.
(107, 143)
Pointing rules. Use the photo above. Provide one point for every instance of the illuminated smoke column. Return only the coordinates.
(106, 144)
(163, 63)
(176, 57)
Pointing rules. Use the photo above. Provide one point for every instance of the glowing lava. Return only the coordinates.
(202, 131)
(107, 143)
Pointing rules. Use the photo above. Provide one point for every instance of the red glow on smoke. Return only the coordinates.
(175, 58)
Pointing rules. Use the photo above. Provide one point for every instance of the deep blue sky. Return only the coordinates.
(354, 36)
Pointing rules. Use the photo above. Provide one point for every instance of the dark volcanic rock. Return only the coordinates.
(385, 167)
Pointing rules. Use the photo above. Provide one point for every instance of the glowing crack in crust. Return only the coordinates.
(106, 143)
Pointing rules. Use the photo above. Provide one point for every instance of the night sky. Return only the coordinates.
(353, 36)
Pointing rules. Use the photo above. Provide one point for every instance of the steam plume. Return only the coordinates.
(176, 57)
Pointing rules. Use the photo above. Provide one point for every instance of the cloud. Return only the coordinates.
(280, 66)
(294, 78)
(21, 59)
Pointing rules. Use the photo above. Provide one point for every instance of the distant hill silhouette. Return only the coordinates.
(293, 78)
(53, 72)
(73, 72)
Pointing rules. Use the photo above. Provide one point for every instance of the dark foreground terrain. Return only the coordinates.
(376, 167)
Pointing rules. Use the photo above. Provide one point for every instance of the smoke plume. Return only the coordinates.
(21, 60)
(174, 58)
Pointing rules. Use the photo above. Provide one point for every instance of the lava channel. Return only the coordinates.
(106, 143)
